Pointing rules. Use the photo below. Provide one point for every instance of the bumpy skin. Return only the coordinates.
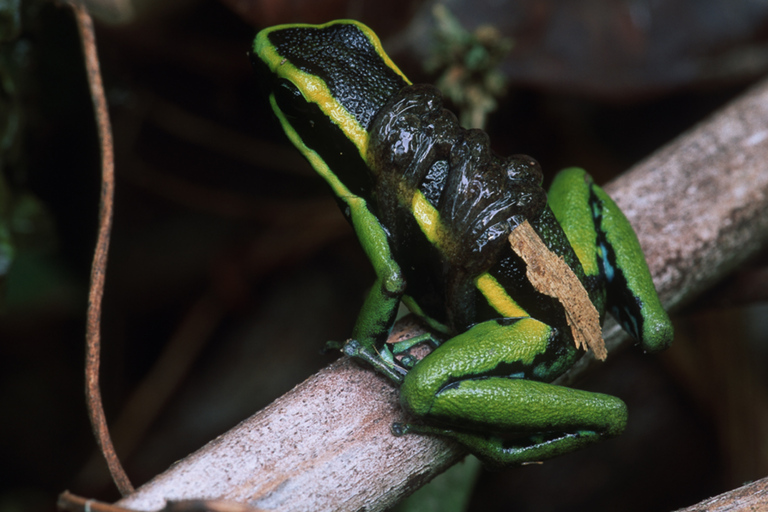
(432, 207)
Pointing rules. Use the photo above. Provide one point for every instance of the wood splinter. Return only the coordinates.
(550, 275)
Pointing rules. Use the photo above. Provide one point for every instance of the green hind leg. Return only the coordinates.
(461, 392)
(607, 247)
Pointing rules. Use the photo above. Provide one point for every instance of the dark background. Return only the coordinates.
(230, 266)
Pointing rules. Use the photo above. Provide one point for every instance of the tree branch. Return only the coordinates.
(753, 496)
(700, 208)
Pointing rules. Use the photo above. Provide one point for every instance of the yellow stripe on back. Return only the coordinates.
(427, 218)
(316, 91)
(498, 297)
(374, 39)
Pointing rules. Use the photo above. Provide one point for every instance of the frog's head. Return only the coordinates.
(326, 84)
(337, 70)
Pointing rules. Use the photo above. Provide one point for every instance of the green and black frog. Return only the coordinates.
(433, 207)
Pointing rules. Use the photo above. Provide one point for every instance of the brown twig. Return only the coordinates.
(99, 267)
(154, 391)
(73, 503)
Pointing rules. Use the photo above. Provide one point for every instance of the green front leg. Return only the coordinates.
(477, 387)
(377, 316)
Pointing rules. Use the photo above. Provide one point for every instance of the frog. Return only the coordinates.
(433, 206)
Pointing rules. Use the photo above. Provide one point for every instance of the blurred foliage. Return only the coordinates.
(467, 63)
(7, 248)
(10, 113)
(448, 492)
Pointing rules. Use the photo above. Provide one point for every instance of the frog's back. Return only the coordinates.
(446, 200)
(449, 203)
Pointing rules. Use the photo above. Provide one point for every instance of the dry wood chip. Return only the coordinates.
(550, 275)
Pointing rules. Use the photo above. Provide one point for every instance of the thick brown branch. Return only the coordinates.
(700, 208)
(752, 496)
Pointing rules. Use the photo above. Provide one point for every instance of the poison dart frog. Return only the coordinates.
(433, 208)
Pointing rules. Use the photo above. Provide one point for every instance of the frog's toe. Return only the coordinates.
(399, 429)
(351, 347)
(382, 361)
(331, 346)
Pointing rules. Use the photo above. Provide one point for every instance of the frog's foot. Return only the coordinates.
(506, 421)
(400, 429)
(382, 362)
(410, 351)
(499, 451)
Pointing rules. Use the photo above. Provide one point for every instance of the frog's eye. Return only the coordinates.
(290, 100)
